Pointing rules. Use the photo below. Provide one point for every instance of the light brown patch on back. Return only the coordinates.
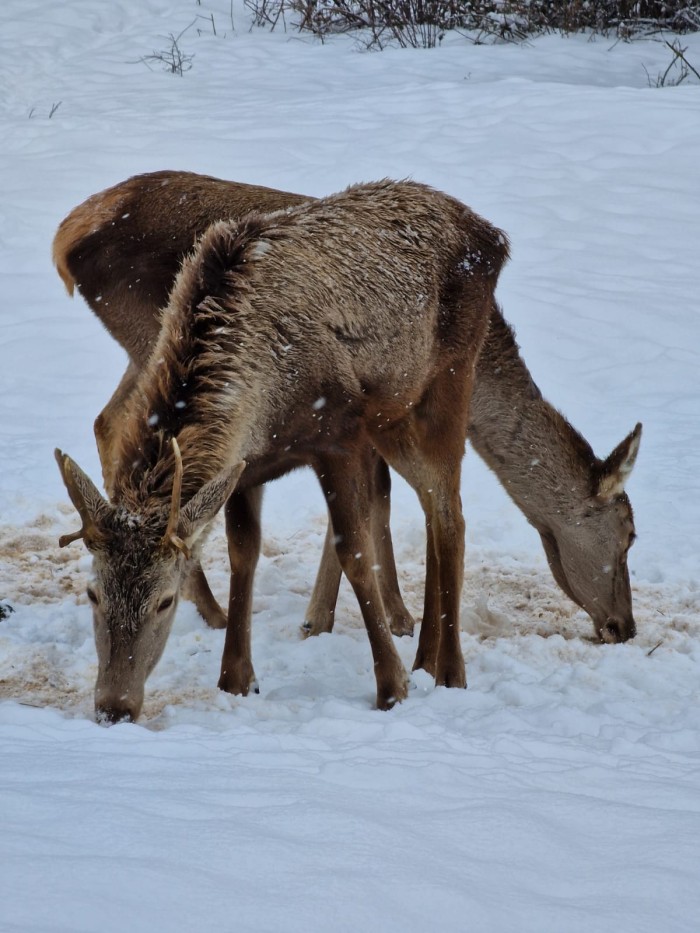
(91, 215)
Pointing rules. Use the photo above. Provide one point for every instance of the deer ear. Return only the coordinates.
(89, 502)
(615, 471)
(204, 505)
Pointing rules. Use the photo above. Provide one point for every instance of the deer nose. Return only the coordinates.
(110, 710)
(615, 631)
(111, 715)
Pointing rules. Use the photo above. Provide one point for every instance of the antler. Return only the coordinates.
(171, 536)
(84, 496)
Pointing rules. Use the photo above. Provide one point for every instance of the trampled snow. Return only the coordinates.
(561, 790)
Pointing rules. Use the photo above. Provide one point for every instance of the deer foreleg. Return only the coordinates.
(401, 621)
(429, 638)
(243, 533)
(197, 589)
(320, 614)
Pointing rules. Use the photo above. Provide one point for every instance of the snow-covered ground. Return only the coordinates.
(561, 791)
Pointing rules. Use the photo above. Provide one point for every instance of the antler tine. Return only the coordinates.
(171, 536)
(73, 536)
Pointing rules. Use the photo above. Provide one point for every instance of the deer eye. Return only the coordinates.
(165, 603)
(92, 596)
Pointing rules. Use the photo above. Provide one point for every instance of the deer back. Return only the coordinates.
(123, 246)
(351, 304)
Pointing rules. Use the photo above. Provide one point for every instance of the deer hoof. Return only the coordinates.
(389, 697)
(311, 627)
(238, 685)
(402, 625)
(217, 620)
(452, 677)
(423, 663)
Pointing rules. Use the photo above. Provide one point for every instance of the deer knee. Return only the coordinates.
(355, 557)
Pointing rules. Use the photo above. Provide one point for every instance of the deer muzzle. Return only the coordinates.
(112, 706)
(614, 630)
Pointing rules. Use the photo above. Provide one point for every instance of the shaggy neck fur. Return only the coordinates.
(197, 377)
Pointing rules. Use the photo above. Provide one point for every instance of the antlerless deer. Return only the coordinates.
(318, 336)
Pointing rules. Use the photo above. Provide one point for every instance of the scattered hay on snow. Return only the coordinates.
(47, 654)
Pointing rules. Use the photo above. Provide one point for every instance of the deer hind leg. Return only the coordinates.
(429, 637)
(427, 451)
(348, 485)
(439, 649)
(320, 614)
(242, 513)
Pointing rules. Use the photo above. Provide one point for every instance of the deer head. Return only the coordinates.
(140, 561)
(587, 551)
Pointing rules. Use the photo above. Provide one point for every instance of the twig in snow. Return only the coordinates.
(174, 59)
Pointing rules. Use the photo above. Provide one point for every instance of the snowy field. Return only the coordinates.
(561, 791)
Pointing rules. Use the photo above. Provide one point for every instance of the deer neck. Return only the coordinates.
(542, 462)
(216, 425)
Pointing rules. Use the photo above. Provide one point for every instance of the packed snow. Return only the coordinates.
(561, 791)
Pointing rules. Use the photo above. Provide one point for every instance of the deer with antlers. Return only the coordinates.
(123, 247)
(319, 336)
